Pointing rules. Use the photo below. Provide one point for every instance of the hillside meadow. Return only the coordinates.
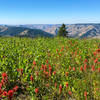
(49, 69)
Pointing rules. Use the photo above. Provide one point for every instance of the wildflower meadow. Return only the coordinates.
(49, 68)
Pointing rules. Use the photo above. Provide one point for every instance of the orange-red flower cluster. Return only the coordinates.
(4, 93)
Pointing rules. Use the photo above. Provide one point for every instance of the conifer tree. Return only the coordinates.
(62, 31)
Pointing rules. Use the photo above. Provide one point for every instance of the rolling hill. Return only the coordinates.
(22, 32)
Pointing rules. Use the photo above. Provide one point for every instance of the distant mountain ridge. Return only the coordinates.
(75, 30)
(49, 30)
(22, 32)
(84, 30)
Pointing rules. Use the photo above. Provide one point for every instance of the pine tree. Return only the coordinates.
(62, 31)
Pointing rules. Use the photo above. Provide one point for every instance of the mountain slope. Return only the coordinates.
(23, 32)
(75, 30)
(84, 30)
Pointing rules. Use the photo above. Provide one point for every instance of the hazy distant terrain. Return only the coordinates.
(48, 30)
(84, 30)
(22, 32)
(75, 30)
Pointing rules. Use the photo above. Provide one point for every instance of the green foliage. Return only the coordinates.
(65, 56)
(62, 31)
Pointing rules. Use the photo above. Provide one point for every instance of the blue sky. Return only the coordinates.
(49, 11)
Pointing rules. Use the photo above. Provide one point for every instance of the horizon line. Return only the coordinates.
(54, 24)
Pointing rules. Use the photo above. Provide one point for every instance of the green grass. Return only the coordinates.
(58, 61)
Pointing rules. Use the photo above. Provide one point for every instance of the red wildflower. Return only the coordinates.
(59, 54)
(47, 85)
(85, 94)
(34, 63)
(61, 50)
(98, 69)
(85, 66)
(36, 90)
(15, 88)
(2, 81)
(66, 84)
(46, 73)
(98, 50)
(94, 53)
(72, 53)
(69, 92)
(45, 67)
(0, 85)
(62, 47)
(47, 61)
(18, 70)
(69, 67)
(81, 69)
(75, 52)
(55, 85)
(93, 68)
(10, 94)
(60, 88)
(73, 68)
(5, 93)
(1, 91)
(31, 78)
(50, 69)
(85, 60)
(57, 50)
(49, 65)
(4, 75)
(42, 66)
(96, 60)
